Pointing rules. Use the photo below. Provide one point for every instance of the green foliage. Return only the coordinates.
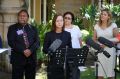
(86, 20)
(88, 13)
(51, 9)
(90, 74)
(42, 29)
(90, 10)
(79, 21)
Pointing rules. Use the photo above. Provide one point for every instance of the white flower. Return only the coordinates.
(87, 16)
(118, 14)
(53, 5)
(84, 32)
(50, 21)
(32, 20)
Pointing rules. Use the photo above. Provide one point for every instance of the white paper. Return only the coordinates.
(82, 68)
(4, 49)
(19, 32)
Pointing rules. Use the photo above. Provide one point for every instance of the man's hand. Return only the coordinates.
(27, 52)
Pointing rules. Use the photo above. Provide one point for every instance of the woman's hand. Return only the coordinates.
(103, 46)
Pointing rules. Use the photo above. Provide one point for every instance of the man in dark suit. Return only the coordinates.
(23, 40)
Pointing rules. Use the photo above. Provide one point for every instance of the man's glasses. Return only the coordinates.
(68, 18)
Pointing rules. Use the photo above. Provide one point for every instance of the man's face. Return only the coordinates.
(23, 18)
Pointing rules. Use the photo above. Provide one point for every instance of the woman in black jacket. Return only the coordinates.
(55, 39)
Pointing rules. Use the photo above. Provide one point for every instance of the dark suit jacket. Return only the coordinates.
(17, 44)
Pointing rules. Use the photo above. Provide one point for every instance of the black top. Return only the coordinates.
(17, 44)
(51, 36)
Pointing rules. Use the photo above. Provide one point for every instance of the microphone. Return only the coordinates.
(96, 46)
(107, 42)
(55, 45)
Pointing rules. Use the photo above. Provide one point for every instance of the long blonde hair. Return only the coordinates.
(109, 20)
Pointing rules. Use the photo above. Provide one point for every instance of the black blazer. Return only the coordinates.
(16, 42)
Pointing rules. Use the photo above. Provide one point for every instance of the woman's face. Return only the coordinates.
(59, 22)
(104, 16)
(68, 19)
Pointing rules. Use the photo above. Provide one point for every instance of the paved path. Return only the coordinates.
(41, 74)
(4, 75)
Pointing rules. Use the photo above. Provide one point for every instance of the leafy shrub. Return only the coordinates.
(42, 29)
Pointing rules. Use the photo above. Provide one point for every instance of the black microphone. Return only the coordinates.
(106, 42)
(96, 46)
(55, 45)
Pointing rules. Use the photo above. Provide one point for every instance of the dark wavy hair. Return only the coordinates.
(70, 13)
(23, 10)
(54, 22)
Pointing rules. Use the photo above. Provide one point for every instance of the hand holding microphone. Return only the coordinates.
(107, 42)
(96, 46)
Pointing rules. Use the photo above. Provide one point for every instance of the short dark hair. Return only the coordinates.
(23, 10)
(72, 15)
(54, 22)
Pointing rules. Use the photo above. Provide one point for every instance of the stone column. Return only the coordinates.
(8, 16)
(111, 1)
(100, 4)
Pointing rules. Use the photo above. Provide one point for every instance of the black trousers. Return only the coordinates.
(28, 70)
(57, 72)
(75, 73)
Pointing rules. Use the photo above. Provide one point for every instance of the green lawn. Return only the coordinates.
(90, 74)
